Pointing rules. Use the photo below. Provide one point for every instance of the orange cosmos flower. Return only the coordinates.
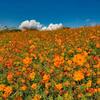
(98, 45)
(98, 89)
(78, 75)
(32, 75)
(97, 66)
(69, 62)
(98, 81)
(7, 92)
(34, 85)
(1, 59)
(58, 60)
(27, 60)
(8, 89)
(79, 59)
(2, 87)
(30, 41)
(70, 51)
(18, 98)
(10, 76)
(79, 49)
(46, 78)
(22, 80)
(37, 97)
(58, 86)
(89, 83)
(17, 73)
(5, 95)
(24, 87)
(9, 63)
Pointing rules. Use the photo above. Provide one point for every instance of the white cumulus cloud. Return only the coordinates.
(53, 27)
(33, 24)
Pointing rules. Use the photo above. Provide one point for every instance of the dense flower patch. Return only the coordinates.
(56, 65)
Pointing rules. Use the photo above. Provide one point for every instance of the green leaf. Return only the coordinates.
(0, 65)
(59, 97)
(83, 98)
(28, 97)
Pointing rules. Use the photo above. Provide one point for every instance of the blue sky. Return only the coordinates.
(69, 12)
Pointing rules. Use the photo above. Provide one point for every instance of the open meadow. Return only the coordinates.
(50, 65)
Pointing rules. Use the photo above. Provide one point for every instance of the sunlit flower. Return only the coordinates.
(33, 86)
(46, 78)
(9, 63)
(32, 75)
(7, 92)
(69, 62)
(27, 60)
(92, 90)
(79, 49)
(89, 83)
(37, 97)
(24, 87)
(1, 59)
(79, 59)
(78, 75)
(58, 86)
(58, 60)
(2, 87)
(98, 81)
(10, 76)
(98, 45)
(8, 89)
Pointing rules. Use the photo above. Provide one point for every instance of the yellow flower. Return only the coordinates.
(78, 75)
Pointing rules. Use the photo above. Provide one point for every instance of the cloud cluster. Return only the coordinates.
(33, 24)
(53, 27)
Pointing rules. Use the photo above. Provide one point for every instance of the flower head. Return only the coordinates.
(78, 75)
(58, 60)
(79, 59)
(27, 61)
(46, 78)
(58, 86)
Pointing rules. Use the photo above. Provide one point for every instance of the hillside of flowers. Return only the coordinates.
(50, 65)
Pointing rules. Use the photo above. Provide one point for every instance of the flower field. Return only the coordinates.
(50, 65)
